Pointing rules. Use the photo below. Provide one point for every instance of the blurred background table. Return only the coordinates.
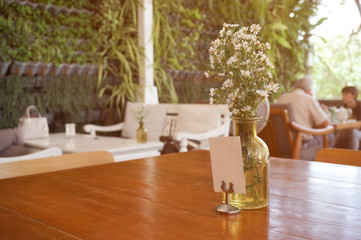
(121, 148)
(349, 124)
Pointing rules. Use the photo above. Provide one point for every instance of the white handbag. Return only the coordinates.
(33, 127)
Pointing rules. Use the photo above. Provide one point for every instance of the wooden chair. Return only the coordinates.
(284, 136)
(339, 156)
(50, 164)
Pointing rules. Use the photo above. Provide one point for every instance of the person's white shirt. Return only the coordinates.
(306, 109)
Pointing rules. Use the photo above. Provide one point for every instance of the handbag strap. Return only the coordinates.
(28, 109)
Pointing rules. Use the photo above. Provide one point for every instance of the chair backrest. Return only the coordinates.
(50, 164)
(339, 156)
(278, 133)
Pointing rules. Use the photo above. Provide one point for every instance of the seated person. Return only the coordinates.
(351, 138)
(11, 144)
(349, 100)
(308, 113)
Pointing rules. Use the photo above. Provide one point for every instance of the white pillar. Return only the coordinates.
(147, 92)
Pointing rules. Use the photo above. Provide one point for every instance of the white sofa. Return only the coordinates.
(48, 152)
(180, 121)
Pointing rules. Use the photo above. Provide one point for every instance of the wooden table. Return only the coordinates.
(347, 125)
(171, 197)
(122, 149)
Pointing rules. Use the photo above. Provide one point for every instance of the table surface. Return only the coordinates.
(347, 125)
(85, 143)
(171, 197)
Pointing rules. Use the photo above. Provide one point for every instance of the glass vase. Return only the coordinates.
(141, 133)
(256, 165)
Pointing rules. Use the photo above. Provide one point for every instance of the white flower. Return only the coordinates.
(240, 35)
(245, 73)
(211, 100)
(267, 45)
(269, 74)
(211, 92)
(232, 60)
(262, 93)
(244, 29)
(211, 61)
(212, 51)
(232, 96)
(231, 73)
(269, 64)
(229, 102)
(221, 32)
(206, 74)
(255, 28)
(263, 56)
(253, 38)
(235, 111)
(246, 108)
(227, 84)
(216, 43)
(272, 87)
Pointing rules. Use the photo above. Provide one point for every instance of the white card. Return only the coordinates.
(227, 164)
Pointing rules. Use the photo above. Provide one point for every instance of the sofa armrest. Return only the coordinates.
(48, 152)
(92, 129)
(216, 132)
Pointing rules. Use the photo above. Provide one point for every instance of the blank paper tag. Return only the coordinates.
(227, 165)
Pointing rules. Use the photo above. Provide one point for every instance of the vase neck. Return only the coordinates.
(245, 127)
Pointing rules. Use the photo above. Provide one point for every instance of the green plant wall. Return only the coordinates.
(186, 28)
(182, 32)
(48, 31)
(67, 98)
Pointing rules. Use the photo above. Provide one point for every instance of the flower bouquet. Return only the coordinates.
(238, 58)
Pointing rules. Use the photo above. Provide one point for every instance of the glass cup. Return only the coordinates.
(70, 130)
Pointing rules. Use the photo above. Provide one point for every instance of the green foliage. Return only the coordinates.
(282, 31)
(182, 32)
(39, 34)
(13, 101)
(336, 66)
(120, 53)
(70, 95)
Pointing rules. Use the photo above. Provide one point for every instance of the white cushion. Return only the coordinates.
(197, 118)
(154, 121)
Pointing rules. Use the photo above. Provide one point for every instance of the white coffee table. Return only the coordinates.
(121, 148)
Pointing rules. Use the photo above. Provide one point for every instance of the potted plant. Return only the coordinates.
(34, 62)
(5, 59)
(20, 64)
